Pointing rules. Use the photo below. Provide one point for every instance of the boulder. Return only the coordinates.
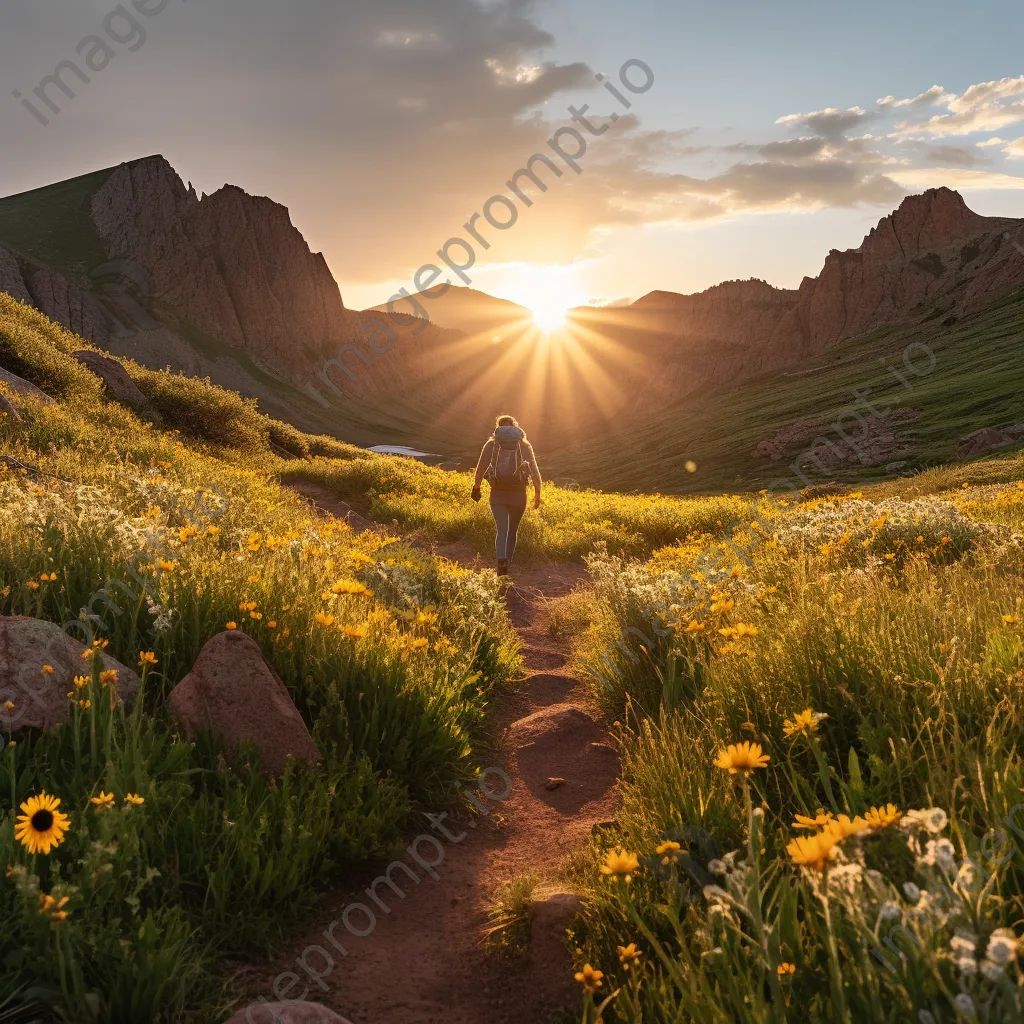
(287, 1013)
(981, 441)
(23, 387)
(40, 696)
(8, 410)
(233, 690)
(119, 386)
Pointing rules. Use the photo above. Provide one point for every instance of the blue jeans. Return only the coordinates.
(508, 508)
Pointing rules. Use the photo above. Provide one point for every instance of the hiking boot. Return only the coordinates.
(502, 566)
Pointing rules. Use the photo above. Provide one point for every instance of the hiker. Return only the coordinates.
(507, 461)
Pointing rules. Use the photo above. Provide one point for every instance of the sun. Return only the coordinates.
(550, 314)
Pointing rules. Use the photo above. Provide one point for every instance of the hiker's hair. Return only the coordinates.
(506, 421)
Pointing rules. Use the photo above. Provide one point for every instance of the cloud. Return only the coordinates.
(829, 123)
(985, 107)
(933, 97)
(955, 156)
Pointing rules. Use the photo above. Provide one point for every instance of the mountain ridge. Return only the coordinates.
(225, 285)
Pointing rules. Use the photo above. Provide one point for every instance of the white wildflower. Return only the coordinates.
(1002, 946)
(965, 1005)
(912, 891)
(889, 912)
(964, 942)
(992, 971)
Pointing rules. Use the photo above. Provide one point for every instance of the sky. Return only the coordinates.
(757, 137)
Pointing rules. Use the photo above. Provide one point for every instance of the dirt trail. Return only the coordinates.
(423, 962)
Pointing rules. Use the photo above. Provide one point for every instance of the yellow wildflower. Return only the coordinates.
(589, 978)
(882, 817)
(821, 819)
(812, 851)
(40, 826)
(741, 758)
(629, 955)
(619, 863)
(803, 723)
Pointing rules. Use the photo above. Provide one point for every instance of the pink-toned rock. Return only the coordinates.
(979, 442)
(233, 690)
(23, 387)
(118, 385)
(39, 696)
(7, 409)
(287, 1013)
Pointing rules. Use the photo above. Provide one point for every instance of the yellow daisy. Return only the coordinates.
(882, 817)
(41, 826)
(620, 864)
(741, 758)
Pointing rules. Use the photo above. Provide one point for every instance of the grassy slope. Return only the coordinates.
(53, 227)
(394, 691)
(978, 381)
(903, 624)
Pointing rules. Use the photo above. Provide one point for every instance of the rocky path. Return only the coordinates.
(423, 962)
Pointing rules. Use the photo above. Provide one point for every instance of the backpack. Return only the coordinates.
(507, 467)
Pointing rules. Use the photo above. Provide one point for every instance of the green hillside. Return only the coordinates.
(52, 226)
(977, 381)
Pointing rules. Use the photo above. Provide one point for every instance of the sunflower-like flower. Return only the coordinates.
(803, 723)
(844, 826)
(741, 758)
(820, 820)
(882, 817)
(813, 851)
(620, 864)
(590, 978)
(785, 969)
(41, 827)
(102, 800)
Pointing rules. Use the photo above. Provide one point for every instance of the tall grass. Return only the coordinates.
(909, 649)
(145, 541)
(569, 524)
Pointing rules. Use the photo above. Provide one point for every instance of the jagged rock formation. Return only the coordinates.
(932, 246)
(230, 264)
(232, 269)
(931, 252)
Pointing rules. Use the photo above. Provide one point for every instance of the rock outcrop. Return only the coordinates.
(38, 666)
(235, 692)
(116, 382)
(230, 264)
(989, 439)
(931, 258)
